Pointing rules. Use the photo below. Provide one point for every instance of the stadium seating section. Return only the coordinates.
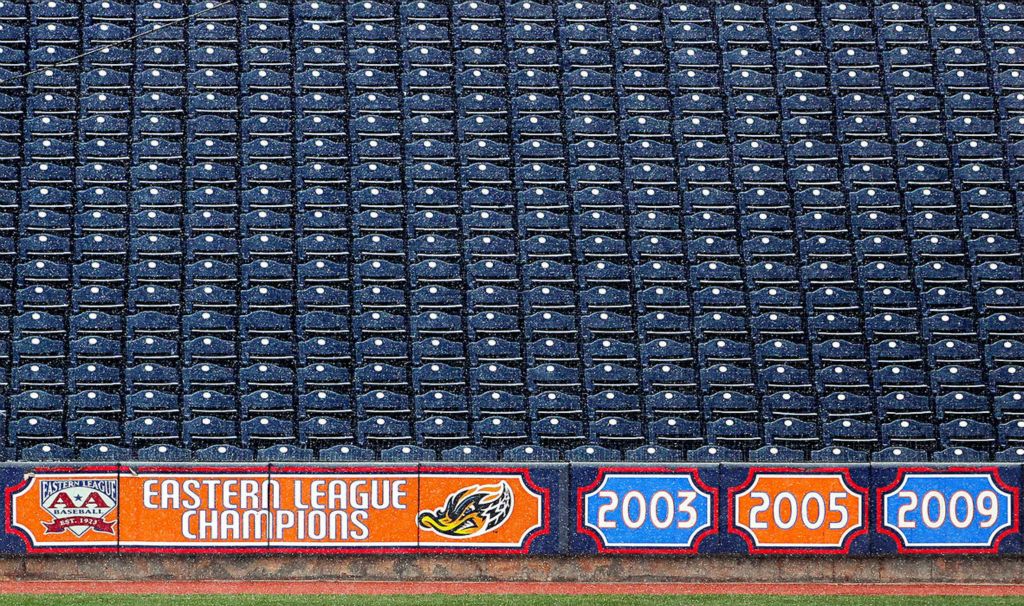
(494, 230)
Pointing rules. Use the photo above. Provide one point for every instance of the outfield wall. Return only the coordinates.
(583, 510)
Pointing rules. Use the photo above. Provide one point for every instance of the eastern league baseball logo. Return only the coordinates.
(470, 512)
(78, 506)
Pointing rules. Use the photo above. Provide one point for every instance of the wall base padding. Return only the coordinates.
(721, 569)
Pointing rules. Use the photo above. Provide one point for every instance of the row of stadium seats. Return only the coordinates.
(473, 453)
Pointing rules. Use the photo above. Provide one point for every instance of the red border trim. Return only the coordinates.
(207, 469)
(694, 472)
(865, 525)
(903, 549)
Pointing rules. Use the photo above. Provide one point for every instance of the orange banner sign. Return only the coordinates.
(816, 512)
(286, 509)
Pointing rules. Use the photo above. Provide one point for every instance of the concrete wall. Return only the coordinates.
(933, 569)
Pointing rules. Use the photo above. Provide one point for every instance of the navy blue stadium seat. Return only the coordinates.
(223, 453)
(162, 452)
(407, 454)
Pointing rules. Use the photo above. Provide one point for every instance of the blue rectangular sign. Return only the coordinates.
(936, 510)
(645, 509)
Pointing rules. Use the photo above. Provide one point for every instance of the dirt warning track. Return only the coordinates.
(524, 588)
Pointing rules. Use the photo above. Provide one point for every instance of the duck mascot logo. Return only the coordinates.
(470, 512)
